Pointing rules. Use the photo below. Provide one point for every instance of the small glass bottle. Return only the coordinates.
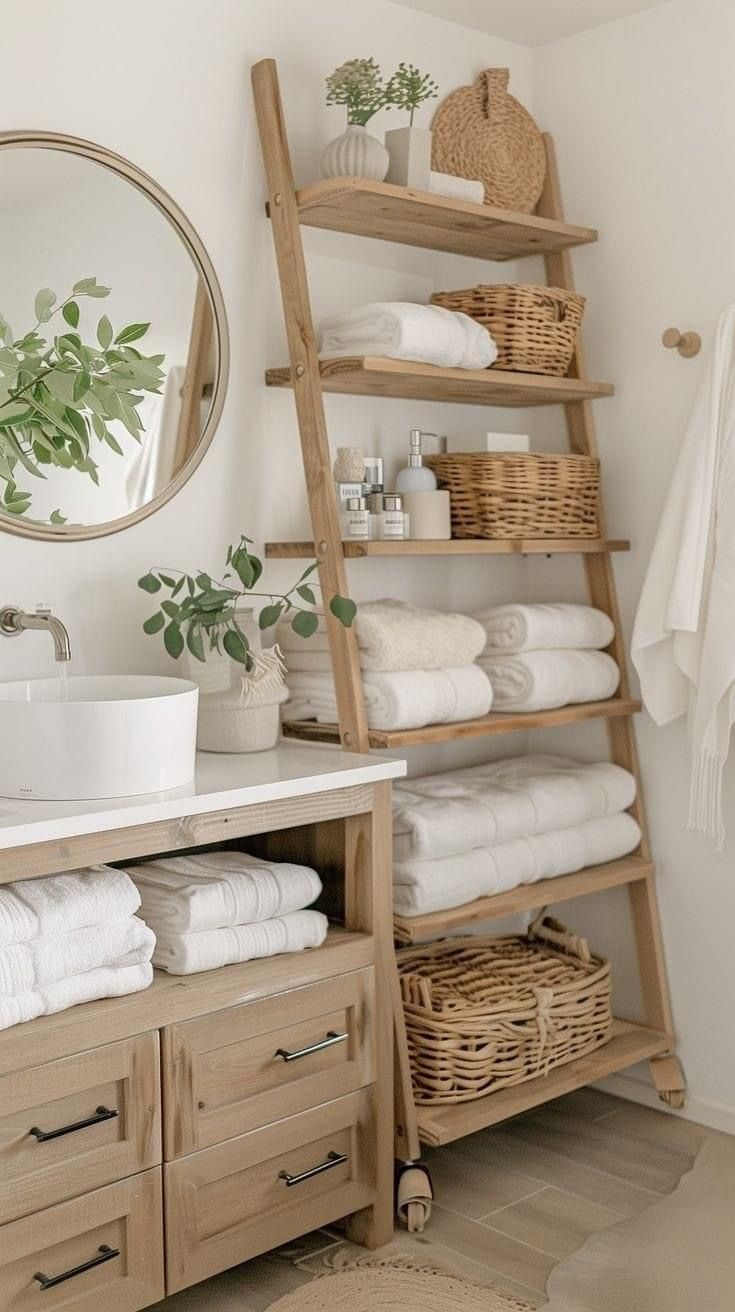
(394, 520)
(355, 519)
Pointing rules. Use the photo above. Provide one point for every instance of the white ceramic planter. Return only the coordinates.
(409, 153)
(355, 154)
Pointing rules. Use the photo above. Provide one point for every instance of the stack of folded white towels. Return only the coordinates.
(487, 829)
(544, 655)
(418, 668)
(70, 938)
(213, 909)
(403, 330)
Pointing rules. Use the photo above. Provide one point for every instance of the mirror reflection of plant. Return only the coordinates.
(57, 393)
(200, 613)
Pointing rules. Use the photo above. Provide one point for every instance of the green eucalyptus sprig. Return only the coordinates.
(200, 613)
(409, 88)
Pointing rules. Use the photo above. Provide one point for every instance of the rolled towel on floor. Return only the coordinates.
(104, 982)
(544, 626)
(483, 805)
(56, 904)
(403, 330)
(420, 887)
(27, 967)
(393, 636)
(212, 890)
(445, 184)
(188, 954)
(405, 700)
(543, 680)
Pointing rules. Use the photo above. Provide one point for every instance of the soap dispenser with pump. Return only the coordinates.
(415, 476)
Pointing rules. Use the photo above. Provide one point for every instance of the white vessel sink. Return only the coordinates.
(95, 736)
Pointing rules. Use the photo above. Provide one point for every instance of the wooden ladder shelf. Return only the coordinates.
(399, 214)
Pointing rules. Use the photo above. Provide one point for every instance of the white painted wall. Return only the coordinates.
(642, 113)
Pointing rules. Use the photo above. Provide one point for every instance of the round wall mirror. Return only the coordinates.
(113, 341)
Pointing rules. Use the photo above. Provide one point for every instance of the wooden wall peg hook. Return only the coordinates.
(687, 344)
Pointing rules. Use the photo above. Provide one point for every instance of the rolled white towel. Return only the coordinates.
(445, 184)
(542, 680)
(27, 967)
(104, 982)
(212, 890)
(187, 954)
(393, 636)
(403, 330)
(544, 626)
(57, 904)
(409, 699)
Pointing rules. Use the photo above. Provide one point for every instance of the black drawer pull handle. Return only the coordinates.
(101, 1114)
(332, 1160)
(329, 1042)
(104, 1254)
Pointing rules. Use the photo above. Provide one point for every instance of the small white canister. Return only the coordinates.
(429, 515)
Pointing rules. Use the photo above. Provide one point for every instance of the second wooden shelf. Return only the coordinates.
(456, 547)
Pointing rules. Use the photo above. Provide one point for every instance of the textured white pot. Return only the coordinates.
(355, 154)
(409, 152)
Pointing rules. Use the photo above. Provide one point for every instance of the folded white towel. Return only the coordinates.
(406, 700)
(189, 894)
(187, 954)
(104, 982)
(25, 967)
(543, 626)
(445, 184)
(423, 886)
(405, 331)
(541, 680)
(57, 904)
(394, 636)
(482, 805)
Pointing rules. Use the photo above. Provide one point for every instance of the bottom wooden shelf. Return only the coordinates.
(630, 1044)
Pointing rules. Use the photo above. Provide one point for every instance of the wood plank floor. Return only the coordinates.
(511, 1202)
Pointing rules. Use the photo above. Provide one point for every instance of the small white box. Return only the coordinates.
(488, 442)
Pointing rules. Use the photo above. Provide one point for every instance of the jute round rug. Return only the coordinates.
(395, 1284)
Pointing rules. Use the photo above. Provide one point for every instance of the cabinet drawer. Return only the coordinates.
(78, 1123)
(239, 1069)
(103, 1250)
(229, 1203)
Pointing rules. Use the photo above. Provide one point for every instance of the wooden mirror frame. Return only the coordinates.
(207, 281)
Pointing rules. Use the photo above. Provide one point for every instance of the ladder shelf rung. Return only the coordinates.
(456, 547)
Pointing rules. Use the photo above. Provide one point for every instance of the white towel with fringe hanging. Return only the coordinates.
(684, 636)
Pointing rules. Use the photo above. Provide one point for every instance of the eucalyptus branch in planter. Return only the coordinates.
(200, 613)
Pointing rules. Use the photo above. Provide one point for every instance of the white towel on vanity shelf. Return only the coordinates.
(406, 331)
(482, 805)
(25, 967)
(57, 904)
(393, 636)
(542, 680)
(104, 982)
(544, 626)
(423, 886)
(445, 184)
(211, 890)
(409, 699)
(187, 954)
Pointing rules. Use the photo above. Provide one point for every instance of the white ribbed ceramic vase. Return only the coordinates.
(355, 154)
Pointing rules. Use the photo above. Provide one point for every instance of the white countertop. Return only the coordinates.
(221, 782)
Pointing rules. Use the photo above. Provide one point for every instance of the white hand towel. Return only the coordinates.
(57, 904)
(185, 894)
(406, 700)
(424, 886)
(542, 680)
(403, 330)
(445, 184)
(544, 626)
(104, 982)
(25, 967)
(482, 805)
(393, 636)
(187, 954)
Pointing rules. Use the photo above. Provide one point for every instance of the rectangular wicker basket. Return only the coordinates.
(519, 495)
(486, 1013)
(534, 328)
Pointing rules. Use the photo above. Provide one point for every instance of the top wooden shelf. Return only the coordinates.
(438, 223)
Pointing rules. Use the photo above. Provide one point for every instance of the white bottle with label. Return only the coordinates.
(415, 477)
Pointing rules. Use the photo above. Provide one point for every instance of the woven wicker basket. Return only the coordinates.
(535, 328)
(515, 495)
(486, 1013)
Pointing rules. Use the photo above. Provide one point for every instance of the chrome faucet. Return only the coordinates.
(14, 621)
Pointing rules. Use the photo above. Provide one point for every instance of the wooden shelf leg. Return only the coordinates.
(668, 1078)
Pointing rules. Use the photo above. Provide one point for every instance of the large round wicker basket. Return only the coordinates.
(534, 328)
(519, 495)
(486, 1013)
